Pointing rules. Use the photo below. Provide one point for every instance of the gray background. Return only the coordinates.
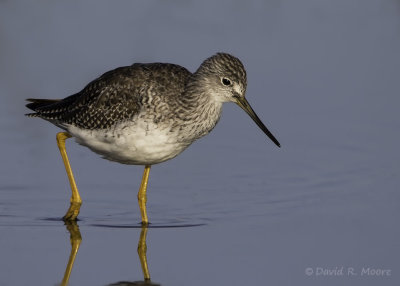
(322, 75)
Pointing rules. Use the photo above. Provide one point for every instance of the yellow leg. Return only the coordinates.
(76, 200)
(142, 198)
(76, 238)
(142, 250)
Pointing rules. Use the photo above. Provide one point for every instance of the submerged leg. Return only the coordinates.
(142, 198)
(142, 250)
(76, 238)
(76, 200)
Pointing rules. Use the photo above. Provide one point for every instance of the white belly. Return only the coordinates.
(131, 143)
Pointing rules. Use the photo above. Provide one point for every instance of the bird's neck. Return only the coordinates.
(199, 110)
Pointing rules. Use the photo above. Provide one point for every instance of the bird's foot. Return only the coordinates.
(72, 212)
(145, 223)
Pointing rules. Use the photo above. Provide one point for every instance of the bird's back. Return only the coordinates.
(116, 96)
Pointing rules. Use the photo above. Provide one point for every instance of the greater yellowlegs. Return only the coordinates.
(145, 114)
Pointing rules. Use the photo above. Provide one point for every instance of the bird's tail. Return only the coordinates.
(37, 105)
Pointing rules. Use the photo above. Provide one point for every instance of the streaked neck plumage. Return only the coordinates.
(198, 107)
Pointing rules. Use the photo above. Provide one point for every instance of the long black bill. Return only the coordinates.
(244, 104)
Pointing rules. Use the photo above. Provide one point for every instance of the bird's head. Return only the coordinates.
(224, 76)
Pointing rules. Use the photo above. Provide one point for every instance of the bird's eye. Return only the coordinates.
(226, 81)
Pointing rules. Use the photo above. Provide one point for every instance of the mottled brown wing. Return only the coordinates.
(115, 96)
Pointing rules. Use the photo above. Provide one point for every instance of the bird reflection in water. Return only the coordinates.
(76, 239)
